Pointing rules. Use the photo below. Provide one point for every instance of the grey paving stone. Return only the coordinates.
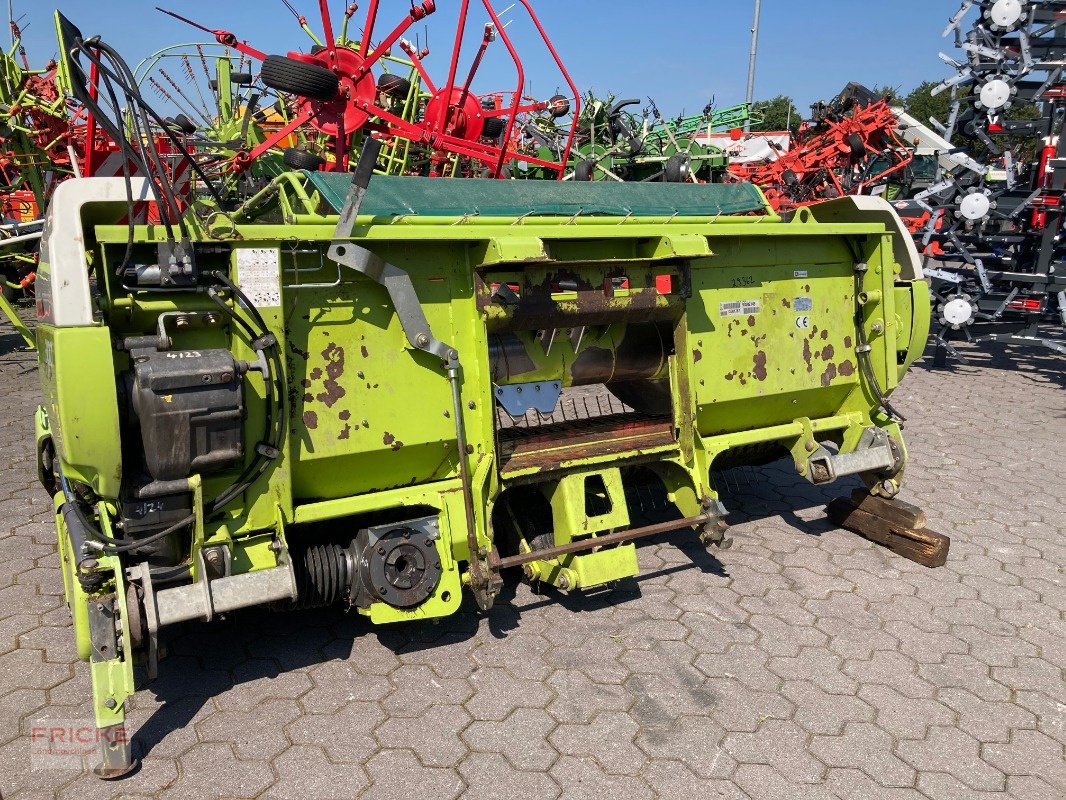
(803, 663)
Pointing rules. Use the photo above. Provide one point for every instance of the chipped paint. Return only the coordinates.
(334, 357)
(760, 366)
(829, 374)
(310, 420)
(847, 369)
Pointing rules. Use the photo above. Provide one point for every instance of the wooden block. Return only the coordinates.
(923, 546)
(893, 510)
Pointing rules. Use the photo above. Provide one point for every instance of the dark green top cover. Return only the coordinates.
(440, 197)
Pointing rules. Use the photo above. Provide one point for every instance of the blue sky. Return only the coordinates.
(681, 52)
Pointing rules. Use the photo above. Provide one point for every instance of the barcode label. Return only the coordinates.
(739, 308)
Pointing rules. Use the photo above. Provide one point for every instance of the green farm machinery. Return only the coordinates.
(368, 405)
(617, 145)
(373, 391)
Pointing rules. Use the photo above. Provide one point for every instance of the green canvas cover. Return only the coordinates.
(390, 196)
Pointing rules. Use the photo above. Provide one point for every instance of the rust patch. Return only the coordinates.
(847, 342)
(847, 369)
(751, 320)
(388, 438)
(744, 332)
(345, 416)
(807, 355)
(785, 302)
(760, 366)
(363, 352)
(306, 384)
(828, 352)
(730, 376)
(825, 335)
(829, 374)
(345, 433)
(309, 398)
(696, 356)
(316, 373)
(311, 419)
(334, 357)
(397, 445)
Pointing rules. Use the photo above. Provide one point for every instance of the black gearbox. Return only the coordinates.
(189, 405)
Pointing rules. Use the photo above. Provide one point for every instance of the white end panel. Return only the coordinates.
(861, 208)
(63, 296)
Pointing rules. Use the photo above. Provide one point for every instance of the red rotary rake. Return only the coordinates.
(337, 95)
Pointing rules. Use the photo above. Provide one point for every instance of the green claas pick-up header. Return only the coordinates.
(384, 406)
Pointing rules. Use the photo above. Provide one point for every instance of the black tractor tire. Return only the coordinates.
(558, 106)
(494, 128)
(585, 170)
(394, 86)
(285, 74)
(856, 145)
(678, 169)
(301, 159)
(241, 78)
(184, 124)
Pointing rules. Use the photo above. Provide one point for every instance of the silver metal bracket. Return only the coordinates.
(396, 282)
(519, 398)
(877, 453)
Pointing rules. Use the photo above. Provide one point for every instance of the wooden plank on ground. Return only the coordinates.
(920, 545)
(893, 510)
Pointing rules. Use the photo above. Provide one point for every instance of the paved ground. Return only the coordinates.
(806, 663)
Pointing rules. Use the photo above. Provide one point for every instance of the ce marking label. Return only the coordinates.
(803, 322)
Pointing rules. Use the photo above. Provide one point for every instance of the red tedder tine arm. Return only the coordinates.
(416, 59)
(221, 36)
(453, 66)
(368, 29)
(240, 162)
(327, 26)
(566, 76)
(417, 13)
(519, 90)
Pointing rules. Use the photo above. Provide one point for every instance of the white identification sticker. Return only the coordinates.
(258, 276)
(800, 273)
(739, 308)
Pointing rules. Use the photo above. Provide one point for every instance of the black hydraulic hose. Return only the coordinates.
(130, 90)
(864, 348)
(142, 127)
